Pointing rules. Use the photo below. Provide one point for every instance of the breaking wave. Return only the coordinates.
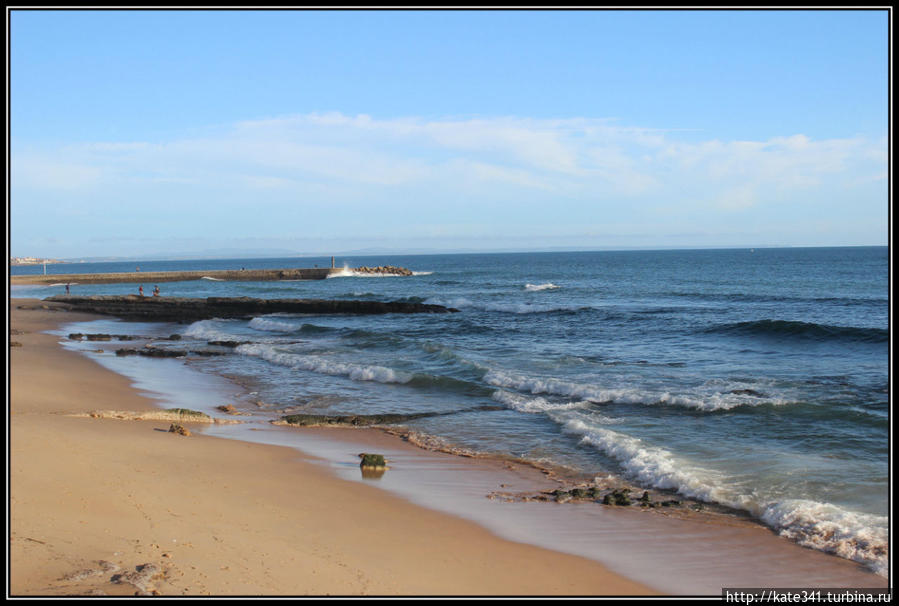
(855, 536)
(514, 308)
(321, 364)
(714, 400)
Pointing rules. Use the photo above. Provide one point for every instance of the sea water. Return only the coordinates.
(754, 379)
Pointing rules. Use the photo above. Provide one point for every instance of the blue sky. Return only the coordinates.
(146, 132)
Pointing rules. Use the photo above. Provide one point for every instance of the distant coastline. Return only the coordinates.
(32, 261)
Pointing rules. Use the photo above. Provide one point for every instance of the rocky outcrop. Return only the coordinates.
(386, 418)
(178, 309)
(309, 420)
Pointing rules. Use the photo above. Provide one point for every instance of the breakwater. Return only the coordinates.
(180, 309)
(153, 277)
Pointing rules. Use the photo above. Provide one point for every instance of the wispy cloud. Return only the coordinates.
(532, 172)
(568, 154)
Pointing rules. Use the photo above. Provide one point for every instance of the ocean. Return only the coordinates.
(754, 379)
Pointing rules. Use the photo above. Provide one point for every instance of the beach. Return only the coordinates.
(110, 507)
(751, 418)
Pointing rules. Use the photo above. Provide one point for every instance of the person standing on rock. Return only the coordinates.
(156, 290)
(67, 289)
(140, 290)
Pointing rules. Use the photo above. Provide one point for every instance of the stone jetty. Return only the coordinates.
(226, 275)
(155, 277)
(180, 309)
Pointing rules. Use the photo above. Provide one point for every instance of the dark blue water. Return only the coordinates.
(756, 379)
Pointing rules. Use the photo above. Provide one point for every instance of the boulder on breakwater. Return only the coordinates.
(383, 269)
(181, 309)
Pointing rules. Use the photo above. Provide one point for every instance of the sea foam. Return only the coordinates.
(321, 364)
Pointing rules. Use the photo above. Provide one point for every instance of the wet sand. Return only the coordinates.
(110, 507)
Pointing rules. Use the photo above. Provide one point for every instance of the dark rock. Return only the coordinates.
(179, 429)
(372, 460)
(748, 392)
(617, 497)
(227, 343)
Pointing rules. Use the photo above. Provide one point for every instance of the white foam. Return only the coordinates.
(321, 364)
(539, 287)
(422, 273)
(533, 405)
(211, 278)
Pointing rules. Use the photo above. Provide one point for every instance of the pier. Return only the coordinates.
(143, 277)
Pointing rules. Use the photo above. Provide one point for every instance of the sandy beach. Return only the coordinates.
(109, 507)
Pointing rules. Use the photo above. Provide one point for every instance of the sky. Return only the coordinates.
(150, 133)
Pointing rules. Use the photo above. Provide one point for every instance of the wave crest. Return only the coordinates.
(539, 287)
(803, 330)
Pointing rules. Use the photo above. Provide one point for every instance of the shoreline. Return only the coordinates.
(93, 500)
(695, 542)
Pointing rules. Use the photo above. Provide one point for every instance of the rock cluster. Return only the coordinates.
(617, 497)
(78, 336)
